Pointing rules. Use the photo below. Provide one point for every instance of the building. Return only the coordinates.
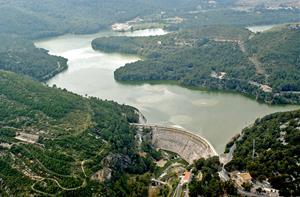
(265, 88)
(241, 177)
(26, 137)
(186, 178)
(271, 192)
(120, 27)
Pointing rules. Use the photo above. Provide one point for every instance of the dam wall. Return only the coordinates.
(186, 144)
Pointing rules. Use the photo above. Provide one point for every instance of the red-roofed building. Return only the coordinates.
(186, 178)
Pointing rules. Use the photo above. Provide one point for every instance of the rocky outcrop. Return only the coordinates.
(102, 175)
(117, 161)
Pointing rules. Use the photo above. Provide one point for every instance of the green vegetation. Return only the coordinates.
(11, 176)
(32, 20)
(206, 181)
(276, 156)
(35, 20)
(79, 146)
(21, 56)
(241, 18)
(221, 58)
(157, 46)
(50, 18)
(77, 137)
(278, 51)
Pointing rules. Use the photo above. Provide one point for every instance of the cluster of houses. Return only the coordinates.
(120, 27)
(241, 178)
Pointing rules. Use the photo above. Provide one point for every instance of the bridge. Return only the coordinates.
(186, 144)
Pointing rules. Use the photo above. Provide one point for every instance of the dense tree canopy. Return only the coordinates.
(51, 17)
(21, 56)
(71, 130)
(276, 156)
(206, 180)
(222, 58)
(279, 52)
(86, 146)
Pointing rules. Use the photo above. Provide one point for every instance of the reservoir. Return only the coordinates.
(217, 116)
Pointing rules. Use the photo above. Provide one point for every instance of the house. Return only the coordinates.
(245, 177)
(186, 178)
(271, 192)
(241, 177)
(265, 88)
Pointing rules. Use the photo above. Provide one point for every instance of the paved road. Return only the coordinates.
(178, 190)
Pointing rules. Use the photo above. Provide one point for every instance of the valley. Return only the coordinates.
(149, 98)
(91, 73)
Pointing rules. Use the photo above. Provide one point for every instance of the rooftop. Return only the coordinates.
(187, 176)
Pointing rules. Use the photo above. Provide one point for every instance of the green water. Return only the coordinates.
(216, 116)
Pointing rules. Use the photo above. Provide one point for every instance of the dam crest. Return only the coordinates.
(186, 144)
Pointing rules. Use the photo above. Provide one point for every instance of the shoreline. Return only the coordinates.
(195, 88)
(168, 82)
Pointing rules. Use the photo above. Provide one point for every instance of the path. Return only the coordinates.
(258, 65)
(82, 168)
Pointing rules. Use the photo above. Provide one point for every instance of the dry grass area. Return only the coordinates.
(161, 163)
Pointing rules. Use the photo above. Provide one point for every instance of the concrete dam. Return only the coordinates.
(186, 144)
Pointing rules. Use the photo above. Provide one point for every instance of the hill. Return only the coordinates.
(21, 56)
(276, 156)
(217, 57)
(148, 47)
(237, 16)
(32, 20)
(278, 51)
(49, 18)
(55, 142)
(35, 20)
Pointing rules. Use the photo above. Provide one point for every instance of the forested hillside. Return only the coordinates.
(56, 143)
(207, 182)
(278, 50)
(53, 142)
(52, 17)
(217, 57)
(150, 47)
(32, 20)
(276, 156)
(21, 56)
(236, 17)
